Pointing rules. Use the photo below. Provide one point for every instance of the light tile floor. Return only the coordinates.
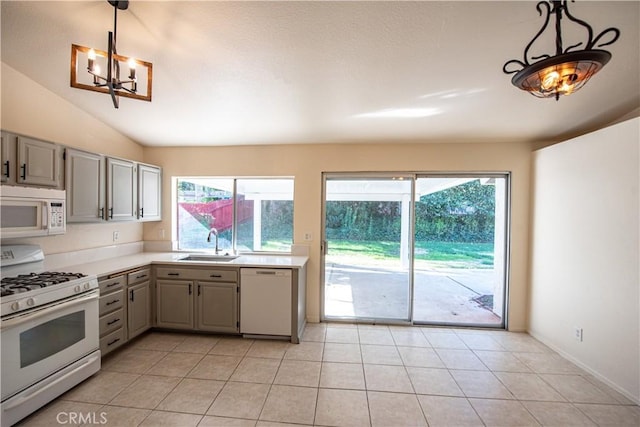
(341, 375)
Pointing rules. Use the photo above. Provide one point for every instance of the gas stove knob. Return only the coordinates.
(87, 286)
(15, 306)
(77, 288)
(31, 302)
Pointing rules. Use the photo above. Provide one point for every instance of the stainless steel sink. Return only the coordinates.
(209, 258)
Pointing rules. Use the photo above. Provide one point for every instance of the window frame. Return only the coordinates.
(234, 197)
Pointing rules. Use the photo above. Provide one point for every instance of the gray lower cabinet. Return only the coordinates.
(174, 306)
(113, 313)
(138, 302)
(202, 299)
(124, 307)
(217, 307)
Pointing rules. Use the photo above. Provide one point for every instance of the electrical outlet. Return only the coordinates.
(161, 233)
(308, 237)
(116, 236)
(577, 333)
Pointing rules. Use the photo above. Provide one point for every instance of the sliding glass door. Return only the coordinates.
(426, 249)
(460, 250)
(367, 249)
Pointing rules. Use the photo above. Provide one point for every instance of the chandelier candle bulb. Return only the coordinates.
(91, 56)
(132, 68)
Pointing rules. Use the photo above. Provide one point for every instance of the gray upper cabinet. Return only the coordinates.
(85, 185)
(28, 161)
(149, 193)
(38, 162)
(7, 153)
(98, 187)
(121, 190)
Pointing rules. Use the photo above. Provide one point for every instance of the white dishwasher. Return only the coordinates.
(265, 301)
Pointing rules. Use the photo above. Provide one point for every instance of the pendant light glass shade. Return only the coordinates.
(546, 76)
(560, 75)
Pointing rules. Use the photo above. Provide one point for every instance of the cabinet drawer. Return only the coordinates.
(218, 275)
(212, 275)
(111, 302)
(172, 273)
(110, 285)
(111, 341)
(139, 276)
(111, 322)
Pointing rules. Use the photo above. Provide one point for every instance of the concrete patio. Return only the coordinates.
(441, 295)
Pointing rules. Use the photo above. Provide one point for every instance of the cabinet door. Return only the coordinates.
(217, 306)
(174, 307)
(138, 309)
(149, 193)
(38, 162)
(7, 155)
(85, 185)
(121, 190)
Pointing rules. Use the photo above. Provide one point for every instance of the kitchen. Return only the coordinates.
(61, 122)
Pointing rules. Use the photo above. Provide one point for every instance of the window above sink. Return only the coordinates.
(239, 214)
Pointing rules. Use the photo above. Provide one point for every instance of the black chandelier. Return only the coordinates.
(111, 83)
(546, 76)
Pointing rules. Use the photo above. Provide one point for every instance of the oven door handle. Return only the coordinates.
(24, 399)
(46, 310)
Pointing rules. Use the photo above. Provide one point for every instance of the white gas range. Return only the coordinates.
(49, 331)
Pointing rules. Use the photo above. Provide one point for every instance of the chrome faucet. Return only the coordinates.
(214, 231)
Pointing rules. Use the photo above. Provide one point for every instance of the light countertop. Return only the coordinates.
(111, 266)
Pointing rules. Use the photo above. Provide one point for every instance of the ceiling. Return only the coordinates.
(232, 73)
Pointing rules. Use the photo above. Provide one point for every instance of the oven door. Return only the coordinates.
(37, 343)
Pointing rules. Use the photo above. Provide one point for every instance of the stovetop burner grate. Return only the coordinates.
(32, 281)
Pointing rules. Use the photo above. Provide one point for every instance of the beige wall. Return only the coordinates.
(32, 110)
(585, 252)
(306, 164)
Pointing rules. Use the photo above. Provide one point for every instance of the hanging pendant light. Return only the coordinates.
(111, 82)
(546, 76)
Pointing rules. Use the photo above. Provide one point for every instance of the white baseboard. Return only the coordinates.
(597, 375)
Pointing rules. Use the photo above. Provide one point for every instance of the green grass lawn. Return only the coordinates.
(452, 254)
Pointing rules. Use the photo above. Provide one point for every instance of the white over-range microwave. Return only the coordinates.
(29, 212)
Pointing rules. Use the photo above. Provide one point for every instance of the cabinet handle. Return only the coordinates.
(131, 296)
(23, 175)
(216, 275)
(111, 213)
(101, 214)
(114, 301)
(173, 274)
(198, 290)
(113, 342)
(189, 288)
(141, 212)
(113, 321)
(142, 276)
(113, 284)
(266, 272)
(6, 165)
